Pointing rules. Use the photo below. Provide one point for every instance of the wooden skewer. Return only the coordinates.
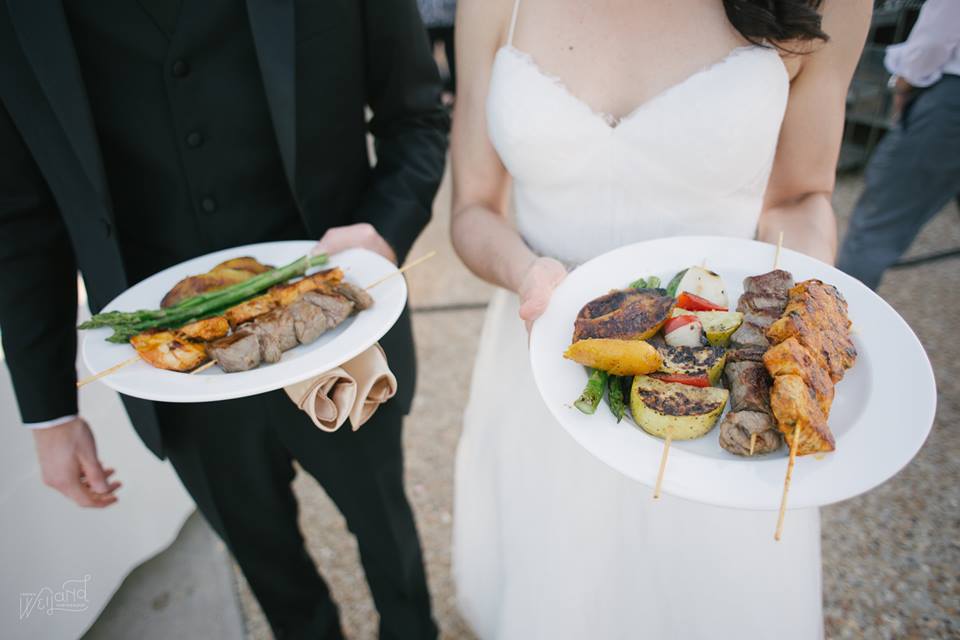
(776, 256)
(203, 367)
(106, 372)
(663, 463)
(753, 442)
(786, 481)
(409, 265)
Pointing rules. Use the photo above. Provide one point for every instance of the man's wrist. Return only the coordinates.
(49, 424)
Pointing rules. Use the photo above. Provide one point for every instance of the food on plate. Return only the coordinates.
(816, 315)
(593, 392)
(240, 351)
(252, 308)
(702, 285)
(682, 411)
(126, 324)
(763, 301)
(683, 330)
(619, 357)
(812, 351)
(615, 396)
(749, 427)
(696, 362)
(739, 428)
(206, 329)
(795, 407)
(224, 274)
(624, 314)
(169, 350)
(718, 326)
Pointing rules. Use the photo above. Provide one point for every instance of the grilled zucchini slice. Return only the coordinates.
(694, 361)
(684, 411)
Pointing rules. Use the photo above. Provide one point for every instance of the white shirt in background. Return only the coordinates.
(933, 47)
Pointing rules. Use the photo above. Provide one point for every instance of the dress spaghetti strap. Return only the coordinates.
(513, 23)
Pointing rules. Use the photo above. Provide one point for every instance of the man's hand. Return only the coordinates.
(361, 235)
(69, 464)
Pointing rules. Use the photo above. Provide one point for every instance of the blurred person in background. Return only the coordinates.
(915, 170)
(438, 17)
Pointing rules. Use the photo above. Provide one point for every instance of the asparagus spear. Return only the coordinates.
(199, 306)
(593, 392)
(639, 283)
(615, 396)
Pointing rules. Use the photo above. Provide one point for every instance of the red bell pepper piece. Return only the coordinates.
(673, 324)
(683, 378)
(692, 302)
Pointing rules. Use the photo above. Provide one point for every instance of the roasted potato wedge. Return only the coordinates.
(619, 357)
(684, 411)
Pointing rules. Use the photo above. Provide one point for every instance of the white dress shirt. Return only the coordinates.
(933, 47)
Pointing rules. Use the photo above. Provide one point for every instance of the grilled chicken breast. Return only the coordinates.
(168, 350)
(206, 329)
(793, 404)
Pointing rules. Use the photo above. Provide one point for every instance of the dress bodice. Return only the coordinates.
(693, 159)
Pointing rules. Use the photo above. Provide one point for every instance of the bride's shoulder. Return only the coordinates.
(845, 22)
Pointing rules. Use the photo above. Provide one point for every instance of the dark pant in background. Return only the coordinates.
(236, 460)
(445, 35)
(913, 173)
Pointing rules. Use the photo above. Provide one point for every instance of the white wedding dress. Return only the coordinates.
(549, 543)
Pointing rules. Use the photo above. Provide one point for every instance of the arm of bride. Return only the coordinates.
(798, 195)
(482, 235)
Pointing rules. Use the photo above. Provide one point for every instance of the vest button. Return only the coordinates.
(194, 139)
(208, 204)
(180, 69)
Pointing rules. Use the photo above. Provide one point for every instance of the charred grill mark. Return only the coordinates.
(672, 403)
(623, 314)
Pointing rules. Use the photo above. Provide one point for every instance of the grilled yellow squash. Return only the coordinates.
(619, 357)
(694, 361)
(684, 411)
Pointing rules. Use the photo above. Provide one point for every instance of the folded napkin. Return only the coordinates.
(353, 390)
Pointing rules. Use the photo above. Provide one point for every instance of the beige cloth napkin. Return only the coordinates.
(353, 390)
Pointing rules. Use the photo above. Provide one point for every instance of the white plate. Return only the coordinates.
(332, 349)
(882, 413)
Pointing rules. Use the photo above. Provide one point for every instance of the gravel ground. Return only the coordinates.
(890, 558)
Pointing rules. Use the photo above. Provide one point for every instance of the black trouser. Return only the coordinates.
(235, 458)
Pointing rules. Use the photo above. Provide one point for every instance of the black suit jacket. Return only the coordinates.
(322, 64)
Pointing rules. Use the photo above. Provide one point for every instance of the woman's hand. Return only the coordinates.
(537, 285)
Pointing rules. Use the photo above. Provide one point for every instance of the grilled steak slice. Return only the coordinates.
(276, 333)
(738, 426)
(237, 352)
(749, 334)
(360, 298)
(626, 314)
(749, 385)
(335, 308)
(775, 283)
(309, 322)
(749, 353)
(761, 303)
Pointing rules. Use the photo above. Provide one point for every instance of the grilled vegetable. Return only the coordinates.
(653, 282)
(683, 378)
(615, 396)
(625, 314)
(639, 283)
(674, 283)
(717, 325)
(693, 361)
(692, 302)
(683, 331)
(590, 398)
(705, 284)
(687, 412)
(619, 357)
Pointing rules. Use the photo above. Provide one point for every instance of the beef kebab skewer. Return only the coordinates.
(359, 303)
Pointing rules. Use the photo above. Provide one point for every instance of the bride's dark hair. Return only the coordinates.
(774, 21)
